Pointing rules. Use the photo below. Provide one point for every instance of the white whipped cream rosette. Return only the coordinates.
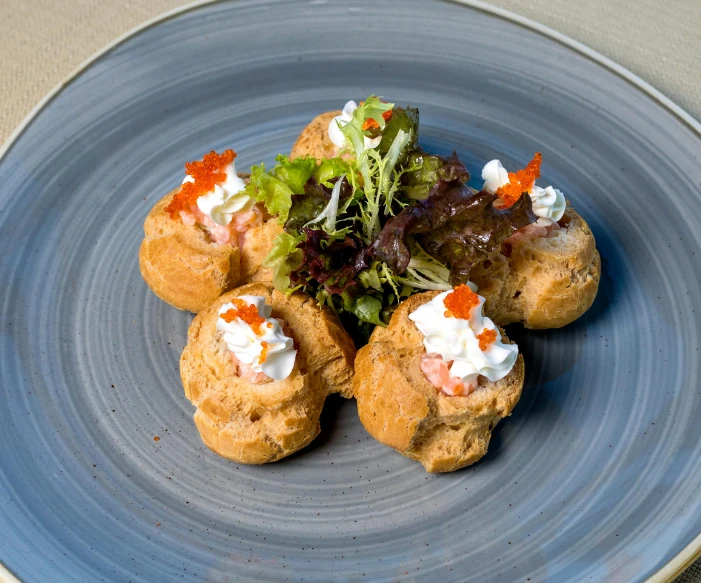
(548, 203)
(225, 199)
(457, 340)
(267, 350)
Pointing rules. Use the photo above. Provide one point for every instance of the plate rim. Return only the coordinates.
(689, 554)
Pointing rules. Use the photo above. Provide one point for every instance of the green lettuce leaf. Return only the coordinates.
(294, 173)
(330, 168)
(272, 192)
(403, 119)
(428, 169)
(366, 308)
(275, 188)
(283, 258)
(304, 208)
(370, 278)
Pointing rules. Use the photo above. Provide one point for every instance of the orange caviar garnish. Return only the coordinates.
(207, 173)
(459, 302)
(245, 312)
(486, 338)
(370, 123)
(263, 352)
(520, 181)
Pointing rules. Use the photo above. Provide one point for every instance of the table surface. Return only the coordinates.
(43, 41)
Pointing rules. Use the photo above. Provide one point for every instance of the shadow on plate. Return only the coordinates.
(330, 427)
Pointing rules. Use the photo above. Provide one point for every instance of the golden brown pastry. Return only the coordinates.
(400, 407)
(543, 282)
(190, 264)
(256, 245)
(252, 419)
(314, 139)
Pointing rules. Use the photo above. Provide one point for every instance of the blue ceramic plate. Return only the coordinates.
(594, 478)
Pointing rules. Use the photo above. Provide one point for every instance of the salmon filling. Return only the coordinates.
(532, 231)
(437, 372)
(232, 234)
(246, 372)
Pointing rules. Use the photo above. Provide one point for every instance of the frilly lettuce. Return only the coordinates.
(283, 258)
(294, 173)
(371, 108)
(364, 232)
(330, 168)
(276, 188)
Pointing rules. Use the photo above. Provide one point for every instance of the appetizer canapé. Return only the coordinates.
(258, 366)
(205, 237)
(436, 381)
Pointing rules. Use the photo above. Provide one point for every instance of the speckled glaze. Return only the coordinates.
(594, 478)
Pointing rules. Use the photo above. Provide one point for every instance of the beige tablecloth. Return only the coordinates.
(42, 41)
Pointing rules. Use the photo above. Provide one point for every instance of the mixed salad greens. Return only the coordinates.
(367, 229)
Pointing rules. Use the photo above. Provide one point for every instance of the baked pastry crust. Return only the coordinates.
(185, 269)
(401, 409)
(314, 139)
(260, 423)
(545, 282)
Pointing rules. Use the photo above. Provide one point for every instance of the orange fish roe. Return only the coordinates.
(520, 181)
(459, 302)
(486, 338)
(263, 352)
(245, 312)
(207, 173)
(370, 123)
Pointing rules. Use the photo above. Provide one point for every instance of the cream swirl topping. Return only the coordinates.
(335, 133)
(548, 203)
(257, 341)
(494, 175)
(224, 200)
(462, 342)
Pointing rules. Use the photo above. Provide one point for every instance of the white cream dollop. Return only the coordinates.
(247, 345)
(335, 133)
(455, 339)
(226, 199)
(548, 203)
(494, 175)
